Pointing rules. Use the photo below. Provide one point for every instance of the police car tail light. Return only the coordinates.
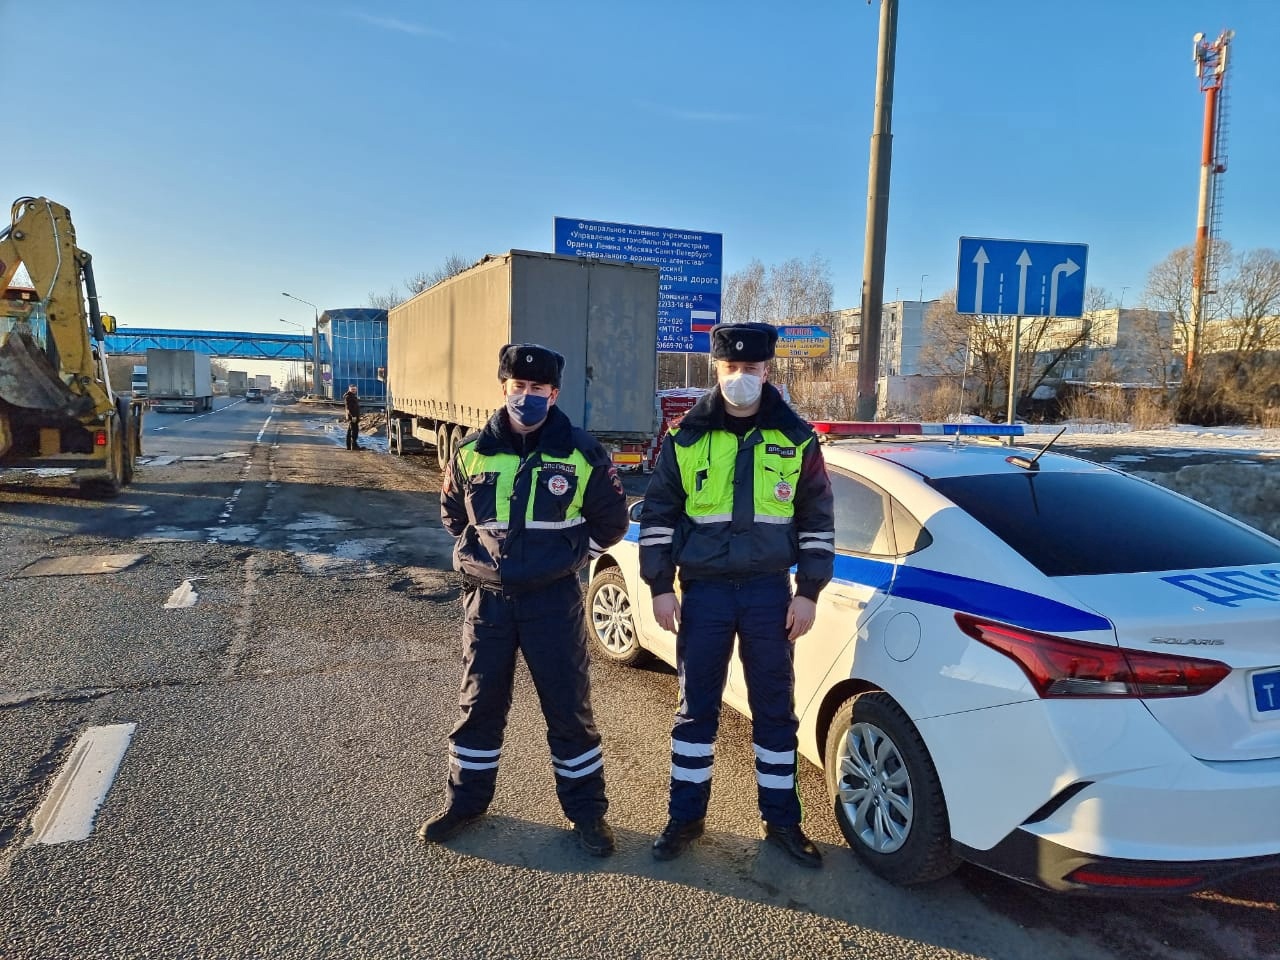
(834, 429)
(1058, 667)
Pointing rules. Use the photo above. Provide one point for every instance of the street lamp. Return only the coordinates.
(293, 364)
(315, 343)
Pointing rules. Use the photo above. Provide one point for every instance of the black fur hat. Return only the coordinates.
(529, 361)
(748, 342)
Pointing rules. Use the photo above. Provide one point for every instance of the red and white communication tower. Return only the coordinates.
(1210, 57)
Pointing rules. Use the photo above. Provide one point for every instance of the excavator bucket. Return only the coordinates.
(29, 381)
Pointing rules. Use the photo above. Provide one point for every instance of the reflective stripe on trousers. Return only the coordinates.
(712, 613)
(547, 627)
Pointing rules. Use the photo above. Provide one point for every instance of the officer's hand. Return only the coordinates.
(800, 617)
(666, 610)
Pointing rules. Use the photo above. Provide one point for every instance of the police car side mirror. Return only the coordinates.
(634, 511)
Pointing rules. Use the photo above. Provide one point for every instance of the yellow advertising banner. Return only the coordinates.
(802, 341)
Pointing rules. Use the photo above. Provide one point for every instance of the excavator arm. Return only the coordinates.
(51, 366)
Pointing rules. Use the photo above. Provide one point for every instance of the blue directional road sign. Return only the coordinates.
(689, 265)
(1021, 278)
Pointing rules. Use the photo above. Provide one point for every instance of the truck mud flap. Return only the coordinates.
(28, 381)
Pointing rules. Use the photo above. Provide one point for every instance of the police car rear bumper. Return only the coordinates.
(1042, 863)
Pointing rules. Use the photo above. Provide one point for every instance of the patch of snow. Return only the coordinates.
(318, 521)
(181, 598)
(242, 534)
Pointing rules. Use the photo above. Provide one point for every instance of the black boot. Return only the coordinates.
(676, 837)
(792, 841)
(595, 837)
(445, 824)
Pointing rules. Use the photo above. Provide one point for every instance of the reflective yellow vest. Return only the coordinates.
(707, 470)
(557, 492)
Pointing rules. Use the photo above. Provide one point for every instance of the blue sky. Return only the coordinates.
(214, 155)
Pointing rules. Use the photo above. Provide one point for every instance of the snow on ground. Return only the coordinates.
(1255, 440)
(1237, 469)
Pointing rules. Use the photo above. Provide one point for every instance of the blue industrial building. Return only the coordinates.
(354, 346)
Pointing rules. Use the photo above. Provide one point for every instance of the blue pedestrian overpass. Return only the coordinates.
(216, 343)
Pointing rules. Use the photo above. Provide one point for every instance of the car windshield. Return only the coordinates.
(1071, 524)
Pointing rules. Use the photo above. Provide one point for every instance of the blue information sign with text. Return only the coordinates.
(689, 268)
(1021, 278)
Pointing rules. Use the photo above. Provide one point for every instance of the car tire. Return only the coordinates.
(885, 790)
(610, 621)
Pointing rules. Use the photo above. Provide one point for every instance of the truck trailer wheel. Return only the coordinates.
(442, 445)
(455, 440)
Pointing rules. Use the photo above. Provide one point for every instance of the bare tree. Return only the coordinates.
(745, 295)
(1235, 374)
(453, 264)
(1169, 288)
(385, 301)
(1251, 299)
(783, 292)
(978, 348)
(795, 291)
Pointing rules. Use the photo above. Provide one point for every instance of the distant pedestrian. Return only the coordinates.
(352, 400)
(529, 498)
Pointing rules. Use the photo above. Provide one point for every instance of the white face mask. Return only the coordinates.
(741, 389)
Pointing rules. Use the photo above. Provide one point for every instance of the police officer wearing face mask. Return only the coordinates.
(739, 495)
(528, 499)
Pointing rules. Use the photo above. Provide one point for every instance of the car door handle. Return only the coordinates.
(844, 601)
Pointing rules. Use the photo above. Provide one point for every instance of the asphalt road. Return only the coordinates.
(290, 734)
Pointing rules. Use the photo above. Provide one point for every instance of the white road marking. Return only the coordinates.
(80, 787)
(262, 431)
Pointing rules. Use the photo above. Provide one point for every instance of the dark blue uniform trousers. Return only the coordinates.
(712, 612)
(547, 626)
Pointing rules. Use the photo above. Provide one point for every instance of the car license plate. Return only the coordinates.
(1266, 691)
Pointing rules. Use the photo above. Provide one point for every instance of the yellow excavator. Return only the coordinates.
(57, 408)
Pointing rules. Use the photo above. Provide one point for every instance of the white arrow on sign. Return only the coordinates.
(1062, 269)
(1023, 261)
(981, 259)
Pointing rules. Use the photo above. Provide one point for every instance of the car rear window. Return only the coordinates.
(1071, 524)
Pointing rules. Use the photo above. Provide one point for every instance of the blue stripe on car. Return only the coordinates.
(978, 597)
(964, 594)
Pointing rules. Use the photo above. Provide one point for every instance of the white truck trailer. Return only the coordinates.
(179, 381)
(442, 349)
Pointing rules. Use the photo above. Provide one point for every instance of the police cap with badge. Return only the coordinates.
(743, 342)
(530, 361)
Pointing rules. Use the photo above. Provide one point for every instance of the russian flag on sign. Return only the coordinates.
(702, 321)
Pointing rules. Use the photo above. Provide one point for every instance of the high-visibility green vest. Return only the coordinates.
(707, 468)
(553, 479)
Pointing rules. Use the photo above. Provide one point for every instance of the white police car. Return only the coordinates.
(1040, 665)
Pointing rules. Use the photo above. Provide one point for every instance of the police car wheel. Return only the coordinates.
(887, 797)
(609, 618)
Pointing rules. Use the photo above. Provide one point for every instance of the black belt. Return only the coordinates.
(501, 590)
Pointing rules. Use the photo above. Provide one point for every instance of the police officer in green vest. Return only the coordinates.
(739, 496)
(529, 498)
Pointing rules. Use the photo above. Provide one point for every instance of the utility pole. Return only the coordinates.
(877, 214)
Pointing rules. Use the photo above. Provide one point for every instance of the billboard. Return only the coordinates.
(689, 267)
(802, 341)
